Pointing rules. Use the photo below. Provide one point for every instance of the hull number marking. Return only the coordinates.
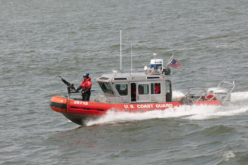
(81, 102)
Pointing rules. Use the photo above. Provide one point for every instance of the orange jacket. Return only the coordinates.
(157, 86)
(86, 83)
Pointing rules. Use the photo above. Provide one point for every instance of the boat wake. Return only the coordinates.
(239, 96)
(238, 106)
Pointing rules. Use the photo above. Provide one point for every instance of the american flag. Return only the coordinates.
(174, 64)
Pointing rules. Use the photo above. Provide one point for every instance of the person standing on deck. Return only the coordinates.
(86, 87)
(157, 88)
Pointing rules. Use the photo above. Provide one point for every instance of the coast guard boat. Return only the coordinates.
(136, 93)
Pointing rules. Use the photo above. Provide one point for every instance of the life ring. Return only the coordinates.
(210, 97)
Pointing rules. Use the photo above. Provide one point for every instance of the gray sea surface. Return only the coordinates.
(40, 40)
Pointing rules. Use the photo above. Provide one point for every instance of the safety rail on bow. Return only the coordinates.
(233, 84)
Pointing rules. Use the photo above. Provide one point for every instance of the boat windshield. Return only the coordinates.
(143, 89)
(168, 91)
(122, 89)
(106, 87)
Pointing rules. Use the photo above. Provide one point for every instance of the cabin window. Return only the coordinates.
(122, 89)
(168, 91)
(106, 87)
(143, 89)
(168, 86)
(133, 92)
(153, 77)
(120, 78)
(103, 78)
(155, 88)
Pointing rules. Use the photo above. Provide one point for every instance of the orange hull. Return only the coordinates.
(80, 111)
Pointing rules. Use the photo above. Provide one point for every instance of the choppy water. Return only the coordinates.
(40, 40)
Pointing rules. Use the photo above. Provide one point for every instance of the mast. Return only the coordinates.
(120, 54)
(131, 60)
(155, 61)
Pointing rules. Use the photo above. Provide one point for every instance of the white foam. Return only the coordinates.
(239, 96)
(201, 112)
(176, 95)
(215, 112)
(228, 155)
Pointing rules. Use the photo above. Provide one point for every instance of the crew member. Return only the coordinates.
(133, 92)
(157, 88)
(85, 86)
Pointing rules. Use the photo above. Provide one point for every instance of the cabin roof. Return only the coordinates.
(130, 77)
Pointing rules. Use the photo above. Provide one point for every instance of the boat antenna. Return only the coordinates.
(120, 54)
(155, 60)
(131, 60)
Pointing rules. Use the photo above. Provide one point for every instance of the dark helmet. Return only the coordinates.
(86, 75)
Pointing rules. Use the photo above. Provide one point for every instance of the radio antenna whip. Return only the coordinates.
(120, 54)
(155, 68)
(131, 60)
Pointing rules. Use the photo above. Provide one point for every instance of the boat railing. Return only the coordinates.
(233, 84)
(202, 93)
(191, 89)
(194, 98)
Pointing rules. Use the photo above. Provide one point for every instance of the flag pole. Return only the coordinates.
(170, 59)
(155, 60)
(120, 54)
(131, 60)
